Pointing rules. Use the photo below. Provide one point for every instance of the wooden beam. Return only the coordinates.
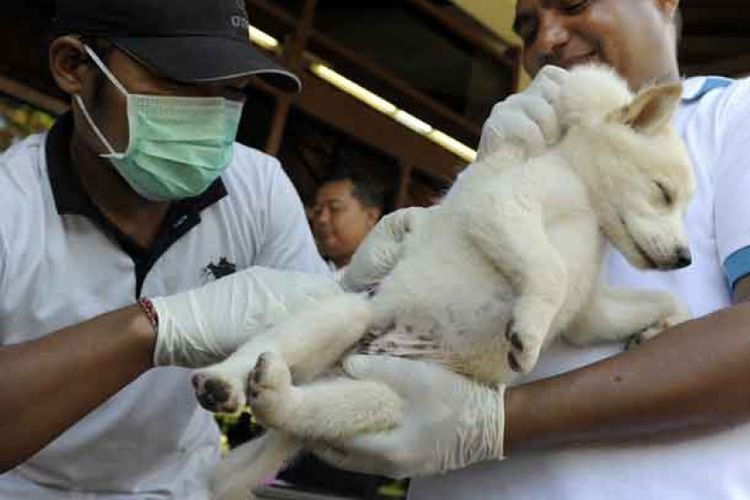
(493, 46)
(376, 130)
(404, 180)
(389, 85)
(294, 50)
(278, 125)
(294, 60)
(441, 114)
(24, 93)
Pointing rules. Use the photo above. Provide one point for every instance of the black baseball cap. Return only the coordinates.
(189, 41)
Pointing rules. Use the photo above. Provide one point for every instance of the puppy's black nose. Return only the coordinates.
(683, 258)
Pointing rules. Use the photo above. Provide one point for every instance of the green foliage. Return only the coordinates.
(20, 120)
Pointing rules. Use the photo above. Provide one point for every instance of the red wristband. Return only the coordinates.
(148, 309)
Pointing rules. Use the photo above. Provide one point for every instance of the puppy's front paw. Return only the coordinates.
(524, 348)
(679, 314)
(269, 389)
(218, 393)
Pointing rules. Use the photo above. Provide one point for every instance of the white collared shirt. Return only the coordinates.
(60, 264)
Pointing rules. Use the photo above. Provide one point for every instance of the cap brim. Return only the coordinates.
(205, 59)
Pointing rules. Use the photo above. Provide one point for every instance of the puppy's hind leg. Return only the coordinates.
(249, 465)
(328, 409)
(309, 342)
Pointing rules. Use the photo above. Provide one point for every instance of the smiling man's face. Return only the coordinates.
(636, 37)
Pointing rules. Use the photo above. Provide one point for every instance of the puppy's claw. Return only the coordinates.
(513, 363)
(515, 341)
(509, 328)
(634, 341)
(260, 368)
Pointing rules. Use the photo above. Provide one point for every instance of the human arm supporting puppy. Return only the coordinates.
(691, 377)
(49, 384)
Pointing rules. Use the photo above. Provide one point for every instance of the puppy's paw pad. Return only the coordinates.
(269, 387)
(270, 373)
(216, 393)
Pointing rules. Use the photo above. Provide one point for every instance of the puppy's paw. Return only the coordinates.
(524, 348)
(218, 393)
(269, 389)
(678, 314)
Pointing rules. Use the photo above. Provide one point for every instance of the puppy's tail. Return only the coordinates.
(249, 465)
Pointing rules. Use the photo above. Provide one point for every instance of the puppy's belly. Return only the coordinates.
(462, 329)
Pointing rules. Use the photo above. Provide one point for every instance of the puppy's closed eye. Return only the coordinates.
(666, 194)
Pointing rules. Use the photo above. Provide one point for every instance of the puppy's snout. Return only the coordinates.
(683, 258)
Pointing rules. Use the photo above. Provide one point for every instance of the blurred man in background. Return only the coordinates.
(347, 205)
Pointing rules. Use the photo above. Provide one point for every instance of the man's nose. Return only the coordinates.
(552, 35)
(321, 216)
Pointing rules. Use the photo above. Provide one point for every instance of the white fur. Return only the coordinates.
(510, 259)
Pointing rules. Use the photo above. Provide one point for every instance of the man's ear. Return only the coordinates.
(651, 109)
(69, 64)
(373, 215)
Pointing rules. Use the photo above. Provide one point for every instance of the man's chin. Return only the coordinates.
(329, 251)
(581, 60)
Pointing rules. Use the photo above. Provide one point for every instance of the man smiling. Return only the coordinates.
(667, 420)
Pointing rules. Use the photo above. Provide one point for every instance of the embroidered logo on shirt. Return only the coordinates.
(220, 269)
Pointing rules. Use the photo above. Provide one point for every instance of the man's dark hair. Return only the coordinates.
(368, 191)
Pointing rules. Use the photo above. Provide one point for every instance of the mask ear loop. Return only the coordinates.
(112, 78)
(82, 106)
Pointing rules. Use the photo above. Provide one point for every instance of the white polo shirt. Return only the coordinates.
(714, 120)
(61, 263)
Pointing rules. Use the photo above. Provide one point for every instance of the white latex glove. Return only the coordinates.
(529, 119)
(449, 422)
(378, 254)
(203, 326)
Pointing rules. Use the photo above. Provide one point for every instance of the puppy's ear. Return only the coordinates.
(651, 109)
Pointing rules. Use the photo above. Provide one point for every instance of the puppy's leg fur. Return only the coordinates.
(619, 314)
(324, 410)
(310, 342)
(534, 268)
(327, 409)
(248, 465)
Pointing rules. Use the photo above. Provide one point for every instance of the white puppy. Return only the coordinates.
(510, 259)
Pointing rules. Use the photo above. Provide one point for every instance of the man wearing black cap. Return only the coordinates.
(139, 191)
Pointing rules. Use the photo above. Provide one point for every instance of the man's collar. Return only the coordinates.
(695, 88)
(67, 189)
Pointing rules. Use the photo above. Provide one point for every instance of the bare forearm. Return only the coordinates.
(49, 384)
(692, 377)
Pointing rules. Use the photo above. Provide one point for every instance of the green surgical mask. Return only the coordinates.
(177, 146)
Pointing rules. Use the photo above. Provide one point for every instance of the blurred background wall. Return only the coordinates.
(399, 88)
